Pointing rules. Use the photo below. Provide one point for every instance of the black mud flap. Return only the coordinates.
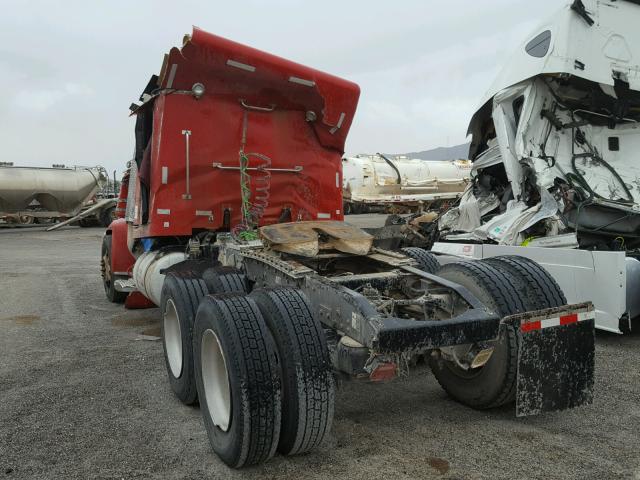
(555, 358)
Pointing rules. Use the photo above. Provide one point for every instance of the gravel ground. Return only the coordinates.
(83, 396)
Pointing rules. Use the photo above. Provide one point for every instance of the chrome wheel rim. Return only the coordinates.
(173, 338)
(215, 380)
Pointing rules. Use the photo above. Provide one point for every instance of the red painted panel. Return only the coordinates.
(384, 372)
(216, 125)
(121, 206)
(136, 301)
(121, 258)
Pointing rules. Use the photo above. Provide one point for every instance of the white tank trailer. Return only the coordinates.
(29, 194)
(399, 183)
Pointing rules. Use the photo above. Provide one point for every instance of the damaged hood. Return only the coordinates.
(555, 141)
(592, 39)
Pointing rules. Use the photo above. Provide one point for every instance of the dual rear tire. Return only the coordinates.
(238, 379)
(276, 371)
(258, 364)
(182, 293)
(505, 285)
(305, 368)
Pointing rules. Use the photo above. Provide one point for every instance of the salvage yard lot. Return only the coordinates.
(83, 394)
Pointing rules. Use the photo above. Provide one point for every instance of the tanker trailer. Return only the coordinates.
(38, 194)
(401, 184)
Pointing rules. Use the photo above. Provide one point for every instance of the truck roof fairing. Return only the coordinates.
(590, 39)
(219, 109)
(260, 74)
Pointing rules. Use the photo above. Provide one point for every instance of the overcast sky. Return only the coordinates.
(70, 69)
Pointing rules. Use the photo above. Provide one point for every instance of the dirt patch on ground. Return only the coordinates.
(439, 464)
(22, 319)
(128, 320)
(152, 331)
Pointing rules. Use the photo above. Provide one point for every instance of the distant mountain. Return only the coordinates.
(441, 153)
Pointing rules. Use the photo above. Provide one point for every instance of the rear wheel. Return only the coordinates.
(494, 383)
(427, 261)
(86, 222)
(107, 216)
(307, 380)
(181, 295)
(536, 286)
(108, 278)
(238, 379)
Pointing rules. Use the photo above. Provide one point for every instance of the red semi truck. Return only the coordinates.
(234, 229)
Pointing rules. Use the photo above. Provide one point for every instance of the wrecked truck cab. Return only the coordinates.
(554, 147)
(562, 118)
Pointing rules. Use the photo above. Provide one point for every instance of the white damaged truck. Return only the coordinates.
(556, 160)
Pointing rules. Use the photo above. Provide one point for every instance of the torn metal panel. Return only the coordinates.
(505, 229)
(491, 156)
(566, 133)
(468, 215)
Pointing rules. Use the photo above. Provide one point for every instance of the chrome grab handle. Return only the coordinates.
(296, 169)
(259, 109)
(187, 134)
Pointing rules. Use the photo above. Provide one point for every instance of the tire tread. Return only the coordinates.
(191, 290)
(113, 295)
(427, 260)
(307, 411)
(254, 356)
(499, 285)
(541, 289)
(225, 280)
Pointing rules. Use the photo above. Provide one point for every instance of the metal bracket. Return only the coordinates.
(466, 295)
(296, 169)
(128, 285)
(187, 134)
(270, 108)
